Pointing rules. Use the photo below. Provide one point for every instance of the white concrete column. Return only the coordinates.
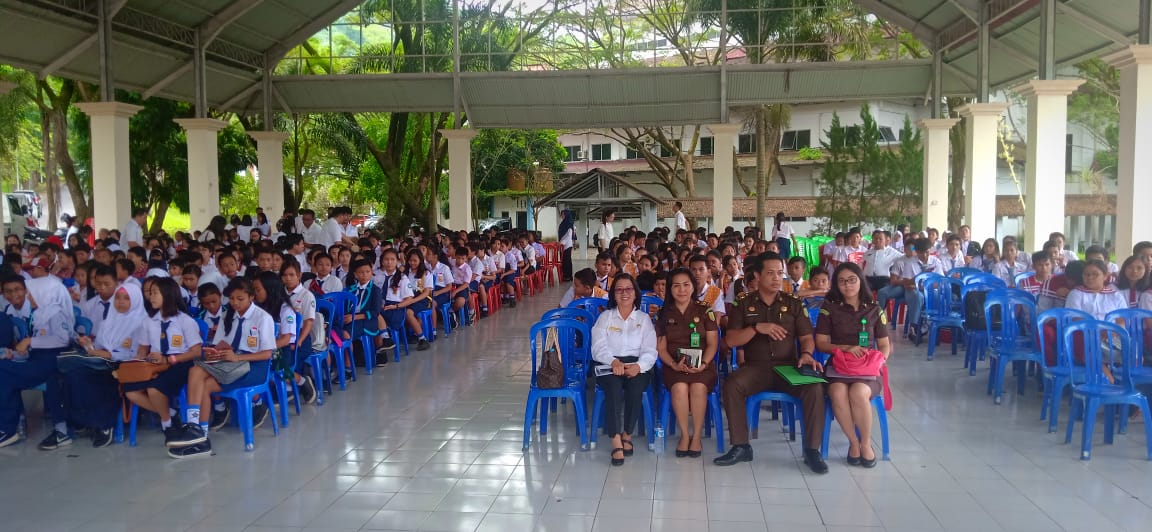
(5, 88)
(723, 154)
(270, 164)
(1134, 169)
(1045, 174)
(460, 176)
(980, 123)
(934, 205)
(111, 169)
(203, 169)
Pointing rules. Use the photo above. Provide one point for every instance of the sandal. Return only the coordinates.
(617, 461)
(683, 453)
(695, 453)
(630, 450)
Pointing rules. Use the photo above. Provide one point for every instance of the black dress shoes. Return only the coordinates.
(814, 461)
(738, 453)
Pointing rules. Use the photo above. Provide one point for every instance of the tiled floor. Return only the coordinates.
(433, 443)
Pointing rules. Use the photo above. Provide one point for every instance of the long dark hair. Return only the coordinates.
(173, 302)
(1122, 280)
(616, 282)
(243, 285)
(277, 294)
(668, 289)
(421, 269)
(216, 225)
(836, 296)
(395, 282)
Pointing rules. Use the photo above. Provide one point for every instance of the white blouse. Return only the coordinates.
(614, 336)
(1098, 304)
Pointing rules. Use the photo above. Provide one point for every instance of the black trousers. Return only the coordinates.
(623, 396)
(876, 283)
(566, 266)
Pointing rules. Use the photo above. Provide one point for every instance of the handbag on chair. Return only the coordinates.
(550, 374)
(134, 371)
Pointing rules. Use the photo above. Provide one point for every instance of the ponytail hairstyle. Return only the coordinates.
(243, 285)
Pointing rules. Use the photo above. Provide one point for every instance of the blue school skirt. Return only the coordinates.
(168, 383)
(394, 318)
(257, 374)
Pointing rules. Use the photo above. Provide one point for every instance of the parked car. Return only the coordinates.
(18, 216)
(34, 198)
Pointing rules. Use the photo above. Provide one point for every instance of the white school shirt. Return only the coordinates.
(402, 291)
(478, 268)
(47, 333)
(1145, 300)
(304, 302)
(606, 234)
(681, 221)
(1007, 272)
(1098, 304)
(489, 264)
(613, 336)
(529, 254)
(132, 233)
(183, 333)
(844, 253)
(951, 263)
(499, 261)
(910, 267)
(462, 274)
(287, 322)
(785, 231)
(313, 234)
(302, 260)
(95, 311)
(878, 263)
(332, 232)
(512, 258)
(418, 284)
(123, 349)
(441, 275)
(330, 284)
(257, 334)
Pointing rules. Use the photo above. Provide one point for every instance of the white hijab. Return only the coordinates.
(121, 327)
(52, 298)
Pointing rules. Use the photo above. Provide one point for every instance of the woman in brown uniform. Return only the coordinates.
(851, 321)
(684, 324)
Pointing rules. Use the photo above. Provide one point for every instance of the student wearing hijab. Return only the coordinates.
(93, 394)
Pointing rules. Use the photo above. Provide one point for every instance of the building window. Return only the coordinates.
(851, 136)
(630, 153)
(665, 152)
(601, 152)
(886, 134)
(795, 140)
(573, 154)
(747, 143)
(707, 146)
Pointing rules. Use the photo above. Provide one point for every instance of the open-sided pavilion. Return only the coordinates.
(222, 54)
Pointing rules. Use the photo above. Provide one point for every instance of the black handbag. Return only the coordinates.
(550, 374)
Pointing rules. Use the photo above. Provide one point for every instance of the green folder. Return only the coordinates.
(793, 376)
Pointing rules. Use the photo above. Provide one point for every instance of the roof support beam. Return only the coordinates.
(211, 28)
(320, 22)
(1015, 53)
(104, 40)
(280, 99)
(167, 80)
(231, 102)
(1090, 22)
(967, 9)
(925, 33)
(984, 41)
(111, 8)
(1046, 69)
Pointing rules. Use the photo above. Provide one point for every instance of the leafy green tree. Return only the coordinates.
(836, 185)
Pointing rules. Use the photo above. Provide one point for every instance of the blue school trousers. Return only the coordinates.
(40, 368)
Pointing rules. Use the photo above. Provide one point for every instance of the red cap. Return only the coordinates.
(37, 261)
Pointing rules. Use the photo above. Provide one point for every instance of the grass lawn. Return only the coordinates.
(175, 220)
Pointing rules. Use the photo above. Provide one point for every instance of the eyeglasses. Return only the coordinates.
(848, 280)
(626, 290)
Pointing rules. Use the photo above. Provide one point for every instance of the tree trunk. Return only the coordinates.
(956, 138)
(159, 211)
(49, 167)
(763, 167)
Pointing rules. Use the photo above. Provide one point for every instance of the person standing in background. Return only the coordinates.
(567, 232)
(784, 236)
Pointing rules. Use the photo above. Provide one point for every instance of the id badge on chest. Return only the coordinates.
(253, 339)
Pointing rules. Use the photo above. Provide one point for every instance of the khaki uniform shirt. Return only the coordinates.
(786, 311)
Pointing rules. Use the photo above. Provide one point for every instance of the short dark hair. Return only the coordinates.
(616, 282)
(139, 211)
(768, 256)
(207, 289)
(587, 277)
(797, 259)
(1041, 256)
(1096, 250)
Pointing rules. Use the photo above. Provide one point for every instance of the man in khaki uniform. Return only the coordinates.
(768, 323)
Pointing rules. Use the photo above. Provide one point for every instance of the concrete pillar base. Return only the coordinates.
(460, 177)
(1134, 169)
(203, 169)
(270, 163)
(981, 121)
(723, 150)
(1045, 175)
(111, 168)
(934, 208)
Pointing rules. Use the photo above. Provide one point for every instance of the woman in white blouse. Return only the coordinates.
(1096, 296)
(623, 339)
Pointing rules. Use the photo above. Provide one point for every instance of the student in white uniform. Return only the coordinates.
(247, 334)
(399, 298)
(624, 349)
(1095, 296)
(172, 336)
(95, 394)
(303, 303)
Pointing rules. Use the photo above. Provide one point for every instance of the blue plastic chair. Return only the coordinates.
(963, 272)
(975, 335)
(569, 312)
(243, 398)
(426, 323)
(83, 326)
(715, 415)
(938, 309)
(789, 406)
(651, 305)
(594, 305)
(1097, 391)
(986, 278)
(568, 329)
(881, 415)
(337, 345)
(1135, 321)
(1065, 372)
(1009, 340)
(346, 300)
(318, 361)
(648, 406)
(281, 385)
(1021, 276)
(180, 404)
